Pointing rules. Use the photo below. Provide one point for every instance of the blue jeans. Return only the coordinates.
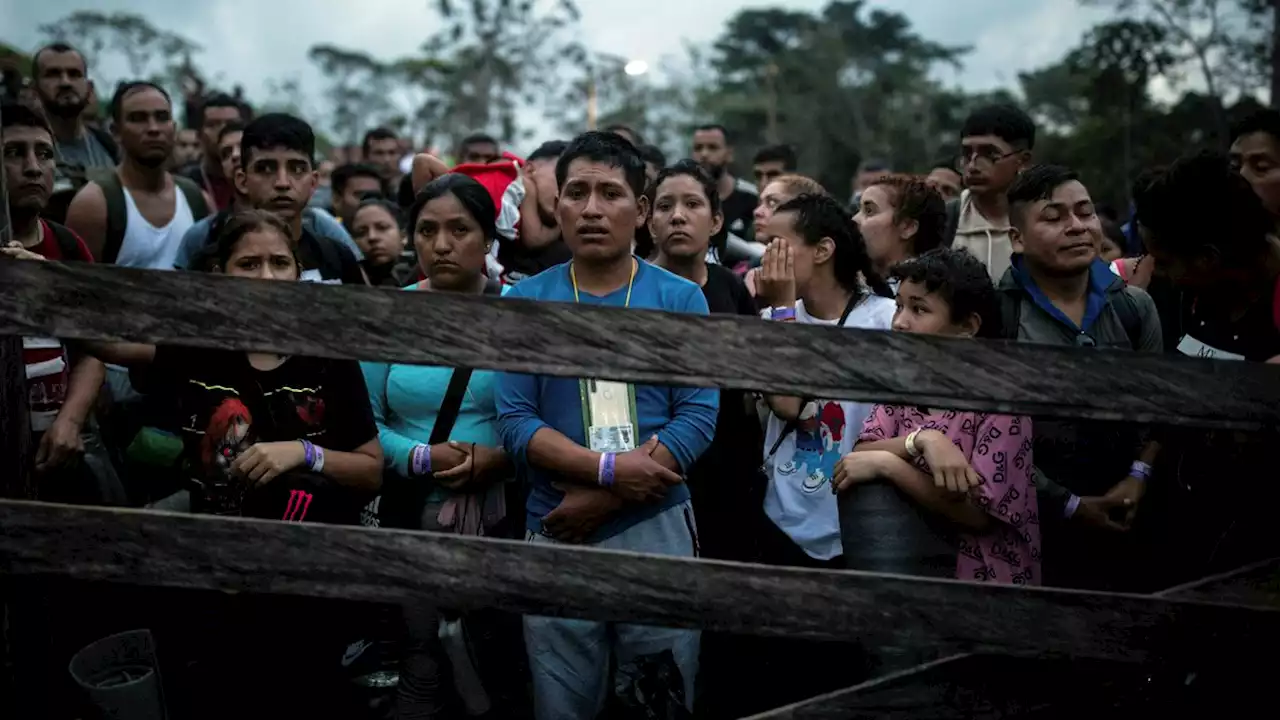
(570, 659)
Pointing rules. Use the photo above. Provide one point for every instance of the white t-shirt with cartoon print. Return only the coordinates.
(799, 499)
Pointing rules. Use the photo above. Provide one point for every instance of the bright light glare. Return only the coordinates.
(636, 67)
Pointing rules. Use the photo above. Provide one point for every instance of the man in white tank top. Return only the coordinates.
(137, 217)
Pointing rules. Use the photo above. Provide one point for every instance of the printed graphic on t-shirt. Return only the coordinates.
(228, 431)
(818, 439)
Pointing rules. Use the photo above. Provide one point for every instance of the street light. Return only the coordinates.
(636, 68)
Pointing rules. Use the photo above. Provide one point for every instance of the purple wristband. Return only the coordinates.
(308, 453)
(605, 475)
(1073, 502)
(783, 313)
(420, 461)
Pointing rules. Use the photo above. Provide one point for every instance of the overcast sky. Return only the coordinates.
(251, 41)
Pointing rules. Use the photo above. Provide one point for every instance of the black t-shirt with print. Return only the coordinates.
(727, 490)
(327, 260)
(224, 405)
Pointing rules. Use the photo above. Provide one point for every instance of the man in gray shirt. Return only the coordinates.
(62, 84)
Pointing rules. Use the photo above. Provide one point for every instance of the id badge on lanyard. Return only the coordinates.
(609, 415)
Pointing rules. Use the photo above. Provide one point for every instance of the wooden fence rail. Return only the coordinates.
(890, 611)
(87, 301)
(1238, 612)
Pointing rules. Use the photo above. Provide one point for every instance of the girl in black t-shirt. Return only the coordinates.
(726, 488)
(265, 435)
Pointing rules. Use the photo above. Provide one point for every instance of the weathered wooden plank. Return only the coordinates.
(900, 694)
(966, 686)
(89, 301)
(1255, 584)
(15, 421)
(149, 548)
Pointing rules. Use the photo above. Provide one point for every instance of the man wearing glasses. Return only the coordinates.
(995, 145)
(1091, 475)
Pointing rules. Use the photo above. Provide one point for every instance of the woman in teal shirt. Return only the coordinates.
(462, 475)
(452, 224)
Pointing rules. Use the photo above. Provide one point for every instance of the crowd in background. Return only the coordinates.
(988, 245)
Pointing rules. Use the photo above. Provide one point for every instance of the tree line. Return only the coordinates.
(843, 84)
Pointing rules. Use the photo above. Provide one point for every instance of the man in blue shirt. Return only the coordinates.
(604, 460)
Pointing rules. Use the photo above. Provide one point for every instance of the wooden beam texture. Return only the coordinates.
(90, 301)
(964, 687)
(188, 551)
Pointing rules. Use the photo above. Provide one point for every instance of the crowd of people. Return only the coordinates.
(991, 245)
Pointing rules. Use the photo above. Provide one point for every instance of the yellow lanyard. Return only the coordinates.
(630, 283)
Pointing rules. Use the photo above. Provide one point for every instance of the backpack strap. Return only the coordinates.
(1010, 313)
(107, 142)
(117, 214)
(195, 197)
(1127, 311)
(68, 242)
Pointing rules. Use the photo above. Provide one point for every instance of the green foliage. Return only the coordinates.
(844, 84)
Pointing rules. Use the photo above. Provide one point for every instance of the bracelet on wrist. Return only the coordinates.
(1073, 503)
(420, 460)
(1140, 470)
(312, 456)
(308, 452)
(913, 450)
(783, 314)
(605, 474)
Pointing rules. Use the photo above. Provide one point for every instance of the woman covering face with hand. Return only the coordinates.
(777, 192)
(956, 487)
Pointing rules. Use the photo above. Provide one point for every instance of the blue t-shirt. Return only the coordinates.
(684, 419)
(314, 220)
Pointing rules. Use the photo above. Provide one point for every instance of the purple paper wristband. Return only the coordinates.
(420, 461)
(308, 454)
(605, 475)
(1072, 503)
